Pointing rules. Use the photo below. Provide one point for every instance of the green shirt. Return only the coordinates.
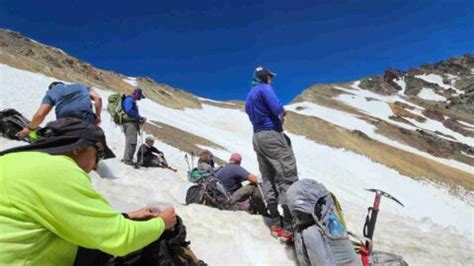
(48, 208)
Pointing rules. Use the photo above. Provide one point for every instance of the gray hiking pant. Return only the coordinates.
(277, 165)
(130, 129)
(250, 191)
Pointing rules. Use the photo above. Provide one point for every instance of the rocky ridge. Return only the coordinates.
(430, 125)
(24, 53)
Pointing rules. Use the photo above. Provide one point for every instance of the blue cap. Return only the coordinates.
(138, 93)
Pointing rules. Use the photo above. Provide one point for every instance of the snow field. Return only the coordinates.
(132, 81)
(430, 95)
(433, 228)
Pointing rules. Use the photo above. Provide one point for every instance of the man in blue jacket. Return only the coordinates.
(275, 155)
(131, 124)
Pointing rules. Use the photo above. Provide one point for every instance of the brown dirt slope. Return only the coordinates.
(168, 96)
(323, 94)
(227, 104)
(180, 139)
(23, 53)
(400, 111)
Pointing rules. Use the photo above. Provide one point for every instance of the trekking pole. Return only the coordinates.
(260, 188)
(187, 161)
(371, 218)
(140, 131)
(192, 159)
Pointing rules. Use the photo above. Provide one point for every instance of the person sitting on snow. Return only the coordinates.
(49, 208)
(206, 162)
(232, 175)
(149, 156)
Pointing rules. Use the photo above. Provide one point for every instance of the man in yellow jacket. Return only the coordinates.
(48, 207)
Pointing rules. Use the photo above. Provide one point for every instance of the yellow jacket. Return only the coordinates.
(48, 208)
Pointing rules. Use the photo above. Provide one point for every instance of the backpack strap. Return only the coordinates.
(339, 212)
(304, 221)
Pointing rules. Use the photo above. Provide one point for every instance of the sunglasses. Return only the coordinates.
(100, 153)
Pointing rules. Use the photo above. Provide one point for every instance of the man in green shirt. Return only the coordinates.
(48, 207)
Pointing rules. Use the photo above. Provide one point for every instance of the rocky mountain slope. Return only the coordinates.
(24, 53)
(418, 121)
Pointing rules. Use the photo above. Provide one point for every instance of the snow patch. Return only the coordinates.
(214, 101)
(368, 94)
(132, 81)
(430, 95)
(468, 155)
(465, 124)
(450, 77)
(402, 84)
(334, 116)
(356, 84)
(376, 105)
(433, 126)
(438, 80)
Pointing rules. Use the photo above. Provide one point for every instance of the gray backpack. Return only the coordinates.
(320, 236)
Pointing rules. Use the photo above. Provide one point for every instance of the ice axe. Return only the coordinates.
(260, 188)
(371, 218)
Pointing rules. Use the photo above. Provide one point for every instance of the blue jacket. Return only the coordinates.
(264, 108)
(130, 107)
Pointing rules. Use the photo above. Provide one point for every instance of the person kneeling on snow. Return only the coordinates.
(149, 156)
(232, 175)
(48, 207)
(69, 100)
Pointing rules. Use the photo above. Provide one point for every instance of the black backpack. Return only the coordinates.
(171, 249)
(210, 192)
(11, 123)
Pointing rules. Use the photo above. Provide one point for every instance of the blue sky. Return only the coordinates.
(211, 47)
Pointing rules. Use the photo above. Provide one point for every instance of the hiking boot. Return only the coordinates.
(286, 236)
(128, 162)
(276, 231)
